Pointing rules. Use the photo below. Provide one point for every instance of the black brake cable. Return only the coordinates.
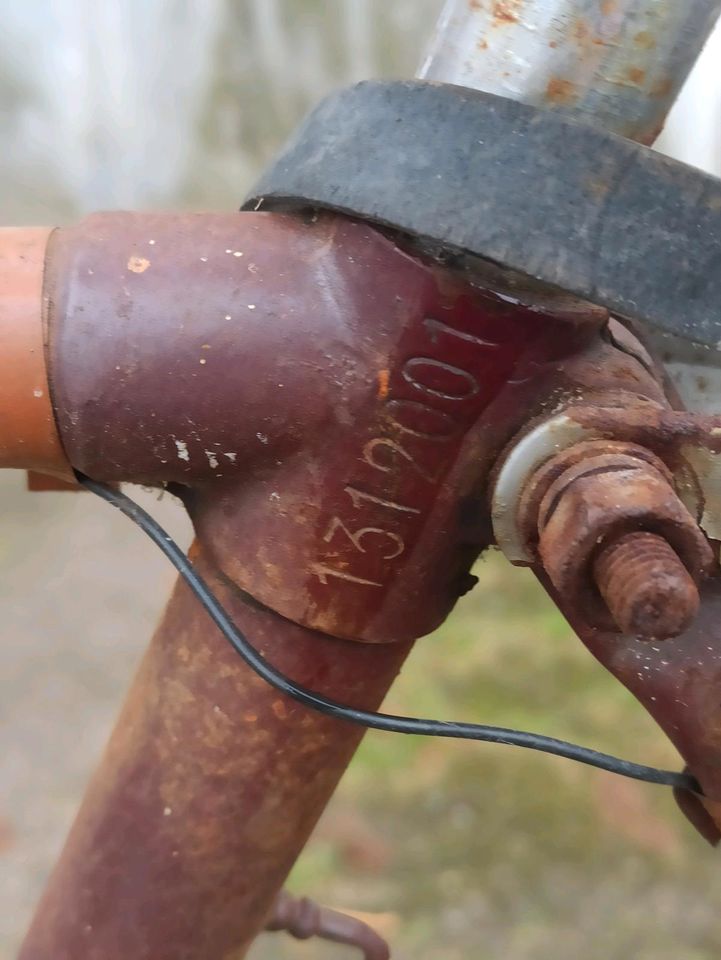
(367, 718)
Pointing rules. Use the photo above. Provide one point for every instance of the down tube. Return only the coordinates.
(208, 790)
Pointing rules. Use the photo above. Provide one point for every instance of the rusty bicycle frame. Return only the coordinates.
(336, 444)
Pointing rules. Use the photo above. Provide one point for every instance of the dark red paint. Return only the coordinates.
(327, 399)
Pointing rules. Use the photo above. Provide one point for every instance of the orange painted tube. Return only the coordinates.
(29, 438)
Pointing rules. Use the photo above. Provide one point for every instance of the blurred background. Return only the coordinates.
(457, 851)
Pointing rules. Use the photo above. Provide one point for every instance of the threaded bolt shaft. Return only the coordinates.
(647, 589)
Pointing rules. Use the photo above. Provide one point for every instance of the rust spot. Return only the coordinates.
(645, 40)
(648, 137)
(584, 34)
(598, 188)
(561, 91)
(475, 4)
(383, 383)
(279, 709)
(553, 44)
(506, 11)
(629, 572)
(608, 7)
(482, 44)
(581, 30)
(138, 264)
(636, 75)
(250, 717)
(664, 88)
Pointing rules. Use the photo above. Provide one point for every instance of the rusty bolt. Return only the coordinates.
(616, 542)
(647, 589)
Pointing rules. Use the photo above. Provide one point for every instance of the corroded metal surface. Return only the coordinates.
(208, 790)
(537, 483)
(596, 503)
(303, 919)
(647, 588)
(686, 448)
(618, 63)
(677, 682)
(322, 428)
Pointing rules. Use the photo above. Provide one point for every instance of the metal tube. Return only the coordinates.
(619, 64)
(213, 343)
(678, 685)
(208, 790)
(28, 436)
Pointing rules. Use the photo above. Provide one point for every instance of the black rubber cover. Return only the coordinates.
(534, 191)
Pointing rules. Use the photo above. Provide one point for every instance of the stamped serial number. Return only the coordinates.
(414, 431)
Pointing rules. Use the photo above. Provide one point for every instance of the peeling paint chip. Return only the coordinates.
(383, 383)
(279, 709)
(138, 264)
(182, 450)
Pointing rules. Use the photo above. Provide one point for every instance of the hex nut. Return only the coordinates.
(596, 502)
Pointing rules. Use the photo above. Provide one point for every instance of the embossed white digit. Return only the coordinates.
(357, 496)
(444, 420)
(416, 362)
(436, 327)
(357, 538)
(369, 455)
(321, 571)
